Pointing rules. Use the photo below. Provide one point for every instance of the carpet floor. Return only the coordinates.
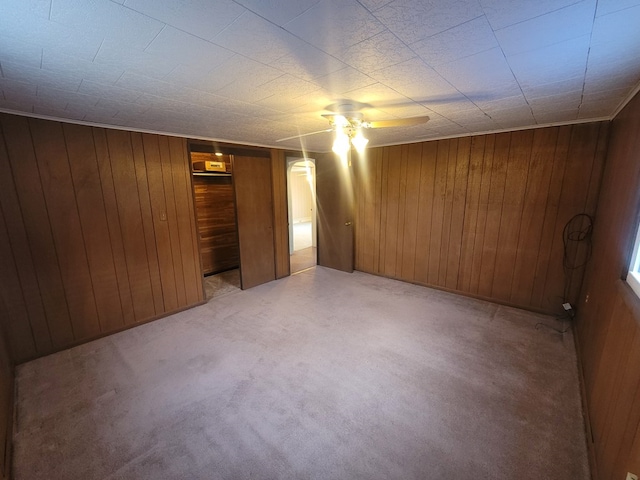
(321, 375)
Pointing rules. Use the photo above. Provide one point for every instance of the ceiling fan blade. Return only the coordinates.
(304, 135)
(398, 122)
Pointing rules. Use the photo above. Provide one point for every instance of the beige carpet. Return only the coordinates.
(321, 375)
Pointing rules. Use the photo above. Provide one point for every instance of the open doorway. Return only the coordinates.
(301, 194)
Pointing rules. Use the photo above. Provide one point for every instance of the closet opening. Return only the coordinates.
(216, 219)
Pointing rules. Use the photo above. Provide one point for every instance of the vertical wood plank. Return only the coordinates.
(384, 202)
(414, 161)
(393, 209)
(93, 219)
(533, 213)
(551, 212)
(18, 327)
(57, 186)
(113, 220)
(580, 157)
(172, 219)
(23, 164)
(129, 211)
(494, 213)
(459, 200)
(366, 201)
(160, 224)
(425, 208)
(402, 152)
(137, 149)
(449, 188)
(483, 209)
(281, 226)
(510, 219)
(6, 400)
(16, 250)
(474, 179)
(377, 204)
(182, 190)
(437, 212)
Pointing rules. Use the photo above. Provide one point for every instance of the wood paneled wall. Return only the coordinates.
(98, 232)
(480, 215)
(608, 315)
(6, 401)
(280, 213)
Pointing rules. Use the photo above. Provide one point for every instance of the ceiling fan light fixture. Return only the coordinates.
(341, 142)
(340, 121)
(359, 141)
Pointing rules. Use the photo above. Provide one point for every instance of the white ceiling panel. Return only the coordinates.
(555, 27)
(43, 78)
(54, 61)
(14, 89)
(244, 86)
(107, 19)
(558, 62)
(492, 105)
(256, 38)
(335, 25)
(307, 62)
(278, 11)
(286, 87)
(618, 29)
(461, 41)
(380, 51)
(202, 18)
(486, 73)
(563, 101)
(375, 94)
(553, 88)
(501, 13)
(117, 55)
(20, 23)
(416, 80)
(100, 90)
(62, 98)
(610, 6)
(597, 109)
(414, 20)
(344, 80)
(178, 47)
(16, 51)
(254, 71)
(556, 116)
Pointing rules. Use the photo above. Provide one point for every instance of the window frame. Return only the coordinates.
(633, 272)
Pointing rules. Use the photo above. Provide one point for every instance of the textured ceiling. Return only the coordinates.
(255, 71)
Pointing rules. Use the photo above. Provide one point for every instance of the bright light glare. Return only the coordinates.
(341, 143)
(340, 121)
(359, 142)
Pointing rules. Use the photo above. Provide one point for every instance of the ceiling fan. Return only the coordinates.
(347, 121)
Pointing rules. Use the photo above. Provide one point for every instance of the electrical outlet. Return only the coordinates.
(631, 476)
